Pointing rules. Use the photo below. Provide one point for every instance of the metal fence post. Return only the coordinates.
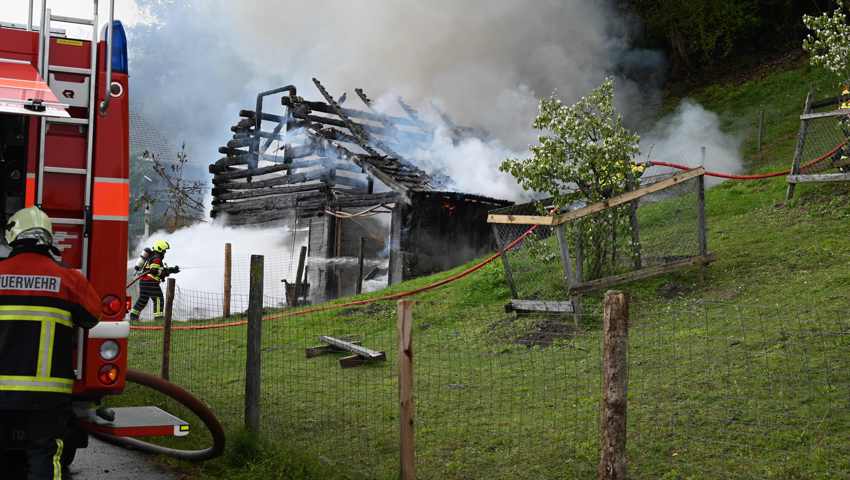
(166, 328)
(255, 339)
(405, 390)
(761, 129)
(228, 266)
(612, 461)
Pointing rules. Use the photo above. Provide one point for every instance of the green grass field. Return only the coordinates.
(743, 375)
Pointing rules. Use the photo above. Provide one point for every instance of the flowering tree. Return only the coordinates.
(584, 154)
(829, 41)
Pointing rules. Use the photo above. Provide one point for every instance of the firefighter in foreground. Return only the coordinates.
(153, 270)
(41, 303)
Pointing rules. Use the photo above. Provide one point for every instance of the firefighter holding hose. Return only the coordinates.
(41, 304)
(153, 270)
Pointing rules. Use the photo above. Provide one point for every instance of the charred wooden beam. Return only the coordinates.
(359, 114)
(224, 194)
(249, 172)
(272, 203)
(281, 180)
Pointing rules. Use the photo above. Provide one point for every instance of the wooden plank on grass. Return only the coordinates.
(819, 178)
(353, 348)
(540, 306)
(641, 274)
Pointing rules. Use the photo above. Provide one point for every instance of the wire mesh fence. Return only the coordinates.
(824, 142)
(543, 262)
(715, 390)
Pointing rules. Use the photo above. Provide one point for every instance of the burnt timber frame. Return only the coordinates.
(576, 286)
(323, 160)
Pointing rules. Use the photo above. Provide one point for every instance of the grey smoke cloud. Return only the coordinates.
(484, 62)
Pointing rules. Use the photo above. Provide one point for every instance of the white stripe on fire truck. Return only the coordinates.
(112, 218)
(111, 180)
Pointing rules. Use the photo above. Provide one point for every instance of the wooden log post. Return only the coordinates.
(612, 462)
(505, 261)
(299, 277)
(798, 150)
(359, 287)
(254, 350)
(702, 230)
(166, 328)
(405, 390)
(228, 278)
(579, 275)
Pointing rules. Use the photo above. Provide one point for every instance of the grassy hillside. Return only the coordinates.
(737, 376)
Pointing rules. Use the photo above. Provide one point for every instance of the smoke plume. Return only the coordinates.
(484, 62)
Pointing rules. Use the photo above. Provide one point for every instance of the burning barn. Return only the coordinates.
(341, 174)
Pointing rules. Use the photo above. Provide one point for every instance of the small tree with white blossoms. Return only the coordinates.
(828, 43)
(584, 154)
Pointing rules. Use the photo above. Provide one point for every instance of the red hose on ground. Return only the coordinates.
(761, 176)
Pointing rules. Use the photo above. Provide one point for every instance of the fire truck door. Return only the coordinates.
(13, 164)
(23, 95)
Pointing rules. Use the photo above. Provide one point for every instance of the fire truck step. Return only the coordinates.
(69, 121)
(74, 70)
(138, 422)
(78, 21)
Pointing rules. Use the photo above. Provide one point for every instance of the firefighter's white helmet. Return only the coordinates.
(30, 224)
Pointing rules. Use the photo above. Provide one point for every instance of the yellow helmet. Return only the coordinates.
(30, 223)
(160, 246)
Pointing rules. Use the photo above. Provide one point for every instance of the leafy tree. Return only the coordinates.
(828, 42)
(584, 154)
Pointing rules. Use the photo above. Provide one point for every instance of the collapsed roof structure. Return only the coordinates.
(320, 162)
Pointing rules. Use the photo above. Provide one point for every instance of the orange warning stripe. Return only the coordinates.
(111, 197)
(29, 194)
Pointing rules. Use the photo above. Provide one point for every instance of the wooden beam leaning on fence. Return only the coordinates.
(576, 285)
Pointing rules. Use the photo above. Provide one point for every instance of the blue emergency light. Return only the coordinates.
(119, 48)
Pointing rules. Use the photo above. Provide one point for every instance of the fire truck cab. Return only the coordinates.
(64, 146)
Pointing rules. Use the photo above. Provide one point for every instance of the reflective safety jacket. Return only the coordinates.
(41, 302)
(153, 267)
(846, 103)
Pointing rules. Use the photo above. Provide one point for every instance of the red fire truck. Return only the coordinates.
(64, 146)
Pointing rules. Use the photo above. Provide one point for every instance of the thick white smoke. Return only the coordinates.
(485, 63)
(679, 138)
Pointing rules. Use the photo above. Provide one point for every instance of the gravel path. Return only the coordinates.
(104, 461)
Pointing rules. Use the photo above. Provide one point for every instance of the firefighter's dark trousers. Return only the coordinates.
(148, 290)
(38, 435)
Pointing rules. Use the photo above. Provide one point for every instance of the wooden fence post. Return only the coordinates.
(255, 343)
(300, 278)
(612, 462)
(358, 289)
(228, 269)
(166, 328)
(405, 389)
